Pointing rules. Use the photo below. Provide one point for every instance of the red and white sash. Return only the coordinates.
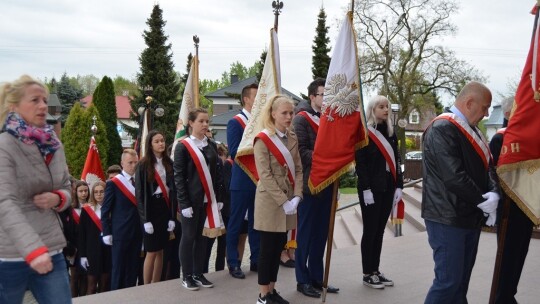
(501, 131)
(164, 189)
(76, 215)
(398, 211)
(95, 218)
(280, 152)
(241, 119)
(126, 187)
(213, 218)
(312, 119)
(476, 139)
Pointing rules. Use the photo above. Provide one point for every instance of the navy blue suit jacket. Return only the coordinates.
(239, 179)
(119, 216)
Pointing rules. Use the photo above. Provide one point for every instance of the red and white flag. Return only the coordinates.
(342, 128)
(519, 163)
(92, 172)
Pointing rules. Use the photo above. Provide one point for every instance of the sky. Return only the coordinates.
(104, 37)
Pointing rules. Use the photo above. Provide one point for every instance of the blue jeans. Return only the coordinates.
(17, 277)
(454, 254)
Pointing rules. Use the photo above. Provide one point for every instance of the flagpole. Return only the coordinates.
(330, 241)
(277, 6)
(500, 249)
(196, 73)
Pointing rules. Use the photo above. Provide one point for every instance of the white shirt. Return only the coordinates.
(199, 143)
(248, 115)
(160, 169)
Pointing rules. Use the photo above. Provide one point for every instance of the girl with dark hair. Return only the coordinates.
(198, 181)
(155, 193)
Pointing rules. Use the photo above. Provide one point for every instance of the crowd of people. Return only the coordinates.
(63, 238)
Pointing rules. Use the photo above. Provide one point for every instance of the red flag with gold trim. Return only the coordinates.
(519, 162)
(342, 128)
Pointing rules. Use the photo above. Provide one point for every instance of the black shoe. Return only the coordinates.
(308, 290)
(329, 289)
(386, 281)
(372, 281)
(289, 264)
(253, 267)
(236, 272)
(189, 283)
(267, 299)
(276, 297)
(202, 281)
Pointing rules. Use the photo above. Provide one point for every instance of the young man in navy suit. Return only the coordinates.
(242, 191)
(121, 223)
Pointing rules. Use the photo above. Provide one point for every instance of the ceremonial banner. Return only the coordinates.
(269, 86)
(190, 101)
(342, 128)
(92, 171)
(519, 162)
(143, 133)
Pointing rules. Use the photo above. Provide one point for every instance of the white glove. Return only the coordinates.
(171, 226)
(368, 197)
(219, 206)
(295, 201)
(188, 212)
(492, 218)
(84, 263)
(149, 228)
(107, 239)
(289, 208)
(490, 204)
(398, 195)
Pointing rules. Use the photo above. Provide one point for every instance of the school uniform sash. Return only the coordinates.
(164, 189)
(242, 120)
(398, 211)
(93, 216)
(501, 131)
(280, 152)
(313, 120)
(76, 216)
(213, 225)
(476, 139)
(125, 187)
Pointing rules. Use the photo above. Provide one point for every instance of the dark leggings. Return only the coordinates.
(272, 244)
(193, 244)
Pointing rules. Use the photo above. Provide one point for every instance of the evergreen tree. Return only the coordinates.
(104, 100)
(320, 60)
(157, 71)
(259, 65)
(67, 94)
(76, 138)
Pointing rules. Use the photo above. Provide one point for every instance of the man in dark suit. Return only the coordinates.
(242, 191)
(121, 223)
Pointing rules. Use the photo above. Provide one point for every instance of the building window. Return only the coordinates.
(230, 107)
(414, 117)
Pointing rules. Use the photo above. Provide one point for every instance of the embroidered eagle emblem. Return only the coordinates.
(340, 97)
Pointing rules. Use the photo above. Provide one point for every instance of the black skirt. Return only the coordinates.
(159, 215)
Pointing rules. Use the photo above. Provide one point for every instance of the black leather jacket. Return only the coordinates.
(454, 177)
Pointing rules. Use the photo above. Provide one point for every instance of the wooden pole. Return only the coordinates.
(500, 249)
(330, 240)
(196, 73)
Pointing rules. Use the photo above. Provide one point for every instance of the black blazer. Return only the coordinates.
(119, 216)
(144, 191)
(189, 189)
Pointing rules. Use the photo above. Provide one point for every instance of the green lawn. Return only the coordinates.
(348, 190)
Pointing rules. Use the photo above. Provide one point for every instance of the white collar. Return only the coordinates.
(248, 115)
(199, 143)
(281, 134)
(126, 175)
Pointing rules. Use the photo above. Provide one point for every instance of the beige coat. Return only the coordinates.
(274, 188)
(23, 174)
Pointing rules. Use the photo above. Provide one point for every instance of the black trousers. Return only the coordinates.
(272, 244)
(516, 247)
(193, 244)
(375, 217)
(125, 263)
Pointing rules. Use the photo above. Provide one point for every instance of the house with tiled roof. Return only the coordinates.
(123, 114)
(494, 122)
(226, 105)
